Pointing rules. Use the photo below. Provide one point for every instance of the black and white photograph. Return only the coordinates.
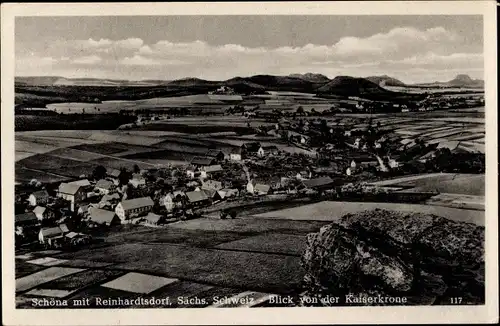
(174, 160)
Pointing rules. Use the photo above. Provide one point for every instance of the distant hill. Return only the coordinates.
(37, 80)
(463, 80)
(385, 81)
(62, 81)
(315, 78)
(192, 82)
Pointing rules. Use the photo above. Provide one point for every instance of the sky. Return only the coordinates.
(410, 48)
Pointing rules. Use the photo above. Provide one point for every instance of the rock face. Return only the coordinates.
(426, 259)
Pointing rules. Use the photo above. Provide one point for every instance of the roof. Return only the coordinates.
(213, 168)
(68, 188)
(179, 193)
(72, 235)
(209, 192)
(104, 184)
(114, 173)
(25, 217)
(64, 227)
(137, 176)
(196, 196)
(153, 218)
(51, 232)
(83, 183)
(317, 182)
(212, 184)
(101, 215)
(214, 152)
(236, 150)
(39, 210)
(137, 203)
(198, 160)
(261, 188)
(252, 146)
(40, 193)
(110, 197)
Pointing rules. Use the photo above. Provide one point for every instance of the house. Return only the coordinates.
(236, 154)
(40, 197)
(270, 150)
(74, 193)
(197, 198)
(393, 163)
(133, 207)
(102, 216)
(26, 220)
(153, 219)
(114, 174)
(212, 184)
(109, 199)
(261, 189)
(44, 213)
(252, 147)
(212, 169)
(168, 201)
(227, 193)
(82, 183)
(202, 161)
(190, 173)
(212, 194)
(218, 155)
(53, 236)
(137, 180)
(320, 183)
(105, 187)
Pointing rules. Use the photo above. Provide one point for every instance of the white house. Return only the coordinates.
(260, 152)
(236, 154)
(105, 187)
(353, 164)
(393, 163)
(137, 180)
(40, 197)
(357, 142)
(73, 193)
(43, 213)
(168, 202)
(133, 207)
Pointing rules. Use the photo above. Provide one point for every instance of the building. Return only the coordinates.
(73, 193)
(109, 200)
(103, 217)
(44, 213)
(236, 154)
(202, 161)
(217, 154)
(105, 187)
(26, 220)
(228, 193)
(40, 197)
(114, 173)
(153, 219)
(197, 198)
(137, 180)
(51, 237)
(261, 189)
(168, 201)
(212, 184)
(211, 170)
(133, 208)
(82, 183)
(270, 150)
(212, 194)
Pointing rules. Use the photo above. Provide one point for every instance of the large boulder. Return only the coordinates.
(426, 259)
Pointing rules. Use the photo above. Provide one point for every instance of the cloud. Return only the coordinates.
(400, 50)
(88, 60)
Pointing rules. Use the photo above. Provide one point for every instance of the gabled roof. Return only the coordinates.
(39, 210)
(236, 150)
(317, 182)
(213, 168)
(251, 147)
(137, 176)
(196, 196)
(137, 203)
(209, 192)
(214, 152)
(270, 148)
(51, 232)
(114, 173)
(41, 193)
(110, 197)
(153, 218)
(261, 188)
(99, 215)
(198, 160)
(104, 184)
(211, 184)
(25, 217)
(83, 183)
(63, 227)
(68, 188)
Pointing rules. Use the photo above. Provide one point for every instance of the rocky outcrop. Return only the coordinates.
(426, 259)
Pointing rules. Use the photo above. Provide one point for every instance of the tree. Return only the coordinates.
(124, 176)
(300, 110)
(99, 172)
(136, 168)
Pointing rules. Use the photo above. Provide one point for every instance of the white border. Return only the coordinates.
(347, 315)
